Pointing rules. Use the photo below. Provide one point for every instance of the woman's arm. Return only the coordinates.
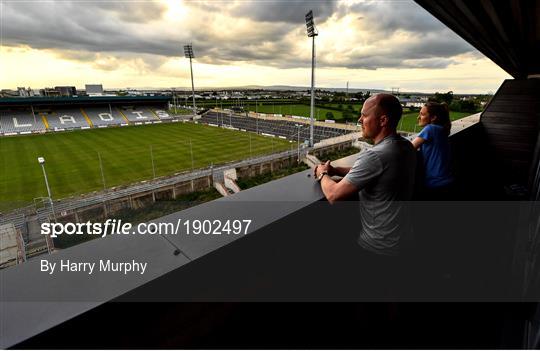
(417, 142)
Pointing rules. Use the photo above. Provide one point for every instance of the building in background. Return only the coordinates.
(66, 90)
(23, 92)
(94, 89)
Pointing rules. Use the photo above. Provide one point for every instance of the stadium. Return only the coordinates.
(473, 281)
(100, 150)
(120, 149)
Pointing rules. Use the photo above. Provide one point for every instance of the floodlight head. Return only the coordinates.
(188, 51)
(41, 160)
(310, 24)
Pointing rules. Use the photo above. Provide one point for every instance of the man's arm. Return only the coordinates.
(333, 171)
(332, 190)
(340, 171)
(367, 168)
(336, 191)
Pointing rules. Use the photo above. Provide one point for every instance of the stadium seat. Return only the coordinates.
(138, 114)
(160, 113)
(20, 122)
(104, 116)
(283, 128)
(65, 119)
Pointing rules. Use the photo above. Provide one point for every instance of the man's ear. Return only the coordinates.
(383, 120)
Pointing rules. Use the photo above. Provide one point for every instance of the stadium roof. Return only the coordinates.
(24, 101)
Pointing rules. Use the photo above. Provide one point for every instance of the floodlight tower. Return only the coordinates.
(188, 52)
(312, 33)
(41, 161)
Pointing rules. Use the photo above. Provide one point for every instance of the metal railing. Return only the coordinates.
(17, 217)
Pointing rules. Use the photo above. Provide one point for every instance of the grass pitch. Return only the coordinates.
(73, 166)
(409, 120)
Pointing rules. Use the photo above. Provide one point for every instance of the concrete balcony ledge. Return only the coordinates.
(33, 301)
(464, 123)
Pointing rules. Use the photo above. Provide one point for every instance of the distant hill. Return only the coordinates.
(269, 88)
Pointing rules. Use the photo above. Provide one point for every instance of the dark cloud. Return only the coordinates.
(107, 32)
(385, 17)
(425, 43)
(273, 55)
(130, 11)
(110, 62)
(211, 5)
(438, 44)
(375, 62)
(422, 50)
(428, 63)
(290, 11)
(94, 26)
(264, 46)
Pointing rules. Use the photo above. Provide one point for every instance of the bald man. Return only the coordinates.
(383, 177)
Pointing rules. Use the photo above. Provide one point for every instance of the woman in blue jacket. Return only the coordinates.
(434, 148)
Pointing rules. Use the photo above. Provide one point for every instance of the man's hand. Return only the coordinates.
(332, 190)
(323, 167)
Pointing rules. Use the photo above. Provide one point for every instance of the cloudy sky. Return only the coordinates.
(371, 44)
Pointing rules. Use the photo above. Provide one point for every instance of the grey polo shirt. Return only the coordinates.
(384, 176)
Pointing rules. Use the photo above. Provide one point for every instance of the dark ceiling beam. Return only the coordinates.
(506, 31)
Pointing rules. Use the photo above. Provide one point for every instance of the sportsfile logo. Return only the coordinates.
(110, 226)
(181, 226)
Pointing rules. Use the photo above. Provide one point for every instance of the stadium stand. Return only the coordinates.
(138, 114)
(160, 113)
(63, 119)
(12, 122)
(285, 129)
(103, 116)
(57, 119)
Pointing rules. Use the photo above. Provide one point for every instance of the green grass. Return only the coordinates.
(336, 155)
(73, 167)
(409, 122)
(298, 110)
(180, 111)
(356, 106)
(241, 102)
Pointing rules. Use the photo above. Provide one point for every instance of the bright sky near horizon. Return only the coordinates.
(120, 44)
